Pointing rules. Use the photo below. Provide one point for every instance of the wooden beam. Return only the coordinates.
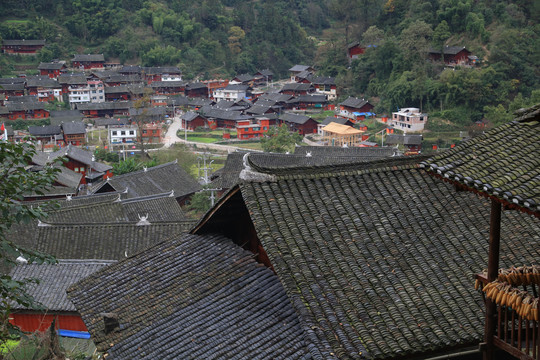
(493, 272)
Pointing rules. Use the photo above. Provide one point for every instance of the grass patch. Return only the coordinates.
(204, 140)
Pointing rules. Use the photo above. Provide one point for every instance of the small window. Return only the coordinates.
(114, 132)
(123, 133)
(76, 169)
(131, 132)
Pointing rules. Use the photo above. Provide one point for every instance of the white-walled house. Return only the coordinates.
(409, 120)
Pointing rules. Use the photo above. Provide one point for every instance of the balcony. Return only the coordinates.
(515, 296)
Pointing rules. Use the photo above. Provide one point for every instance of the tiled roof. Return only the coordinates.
(504, 162)
(43, 130)
(312, 98)
(130, 69)
(276, 97)
(354, 102)
(23, 42)
(116, 105)
(258, 109)
(161, 70)
(189, 116)
(74, 127)
(230, 172)
(298, 68)
(225, 114)
(294, 118)
(50, 292)
(41, 81)
(192, 297)
(82, 156)
(156, 180)
(88, 57)
(324, 80)
(296, 87)
(450, 50)
(51, 66)
(244, 77)
(103, 241)
(158, 84)
(71, 79)
(12, 87)
(265, 72)
(195, 85)
(158, 208)
(339, 120)
(378, 261)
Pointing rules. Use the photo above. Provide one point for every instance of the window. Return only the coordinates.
(265, 128)
(154, 131)
(82, 169)
(123, 133)
(131, 132)
(76, 169)
(421, 118)
(114, 132)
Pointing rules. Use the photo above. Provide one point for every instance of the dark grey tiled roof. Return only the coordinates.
(43, 130)
(156, 180)
(67, 114)
(51, 66)
(323, 80)
(23, 42)
(225, 114)
(120, 89)
(41, 81)
(338, 120)
(74, 127)
(450, 50)
(354, 102)
(244, 77)
(237, 87)
(276, 97)
(12, 86)
(130, 69)
(361, 153)
(265, 72)
(192, 297)
(54, 280)
(296, 87)
(88, 57)
(200, 102)
(378, 262)
(314, 98)
(25, 106)
(162, 70)
(258, 109)
(230, 173)
(297, 68)
(68, 178)
(195, 85)
(158, 84)
(189, 116)
(116, 105)
(294, 118)
(103, 241)
(72, 79)
(503, 162)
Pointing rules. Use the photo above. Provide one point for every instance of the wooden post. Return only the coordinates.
(493, 272)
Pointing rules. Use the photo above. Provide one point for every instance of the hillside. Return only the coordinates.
(220, 38)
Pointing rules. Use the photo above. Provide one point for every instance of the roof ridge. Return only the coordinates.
(255, 173)
(46, 225)
(148, 197)
(143, 171)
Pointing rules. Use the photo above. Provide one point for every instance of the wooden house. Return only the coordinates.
(488, 166)
(338, 120)
(45, 88)
(74, 132)
(158, 179)
(354, 50)
(297, 69)
(52, 69)
(50, 292)
(325, 85)
(232, 92)
(103, 109)
(197, 89)
(192, 120)
(11, 87)
(212, 280)
(263, 77)
(88, 61)
(301, 124)
(244, 79)
(296, 89)
(22, 47)
(411, 144)
(130, 70)
(309, 101)
(152, 133)
(453, 55)
(355, 109)
(226, 119)
(368, 250)
(47, 137)
(168, 87)
(335, 134)
(24, 110)
(83, 162)
(164, 73)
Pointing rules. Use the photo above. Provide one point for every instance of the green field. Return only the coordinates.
(205, 140)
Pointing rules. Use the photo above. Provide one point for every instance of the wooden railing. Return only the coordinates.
(514, 333)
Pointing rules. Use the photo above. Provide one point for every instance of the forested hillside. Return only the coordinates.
(213, 38)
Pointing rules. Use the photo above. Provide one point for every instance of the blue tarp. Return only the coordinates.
(359, 114)
(74, 334)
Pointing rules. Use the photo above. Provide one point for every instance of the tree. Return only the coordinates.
(280, 139)
(440, 35)
(15, 182)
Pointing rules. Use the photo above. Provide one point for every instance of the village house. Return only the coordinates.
(45, 88)
(50, 292)
(130, 70)
(453, 55)
(232, 92)
(22, 47)
(88, 61)
(298, 69)
(252, 128)
(225, 119)
(192, 120)
(408, 120)
(11, 87)
(111, 109)
(337, 120)
(74, 133)
(410, 144)
(46, 137)
(325, 85)
(152, 133)
(295, 89)
(244, 79)
(301, 124)
(335, 134)
(83, 162)
(354, 50)
(31, 110)
(158, 179)
(52, 69)
(120, 134)
(196, 89)
(309, 101)
(168, 73)
(168, 87)
(355, 109)
(263, 77)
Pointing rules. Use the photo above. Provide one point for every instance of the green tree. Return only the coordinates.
(280, 140)
(440, 35)
(15, 182)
